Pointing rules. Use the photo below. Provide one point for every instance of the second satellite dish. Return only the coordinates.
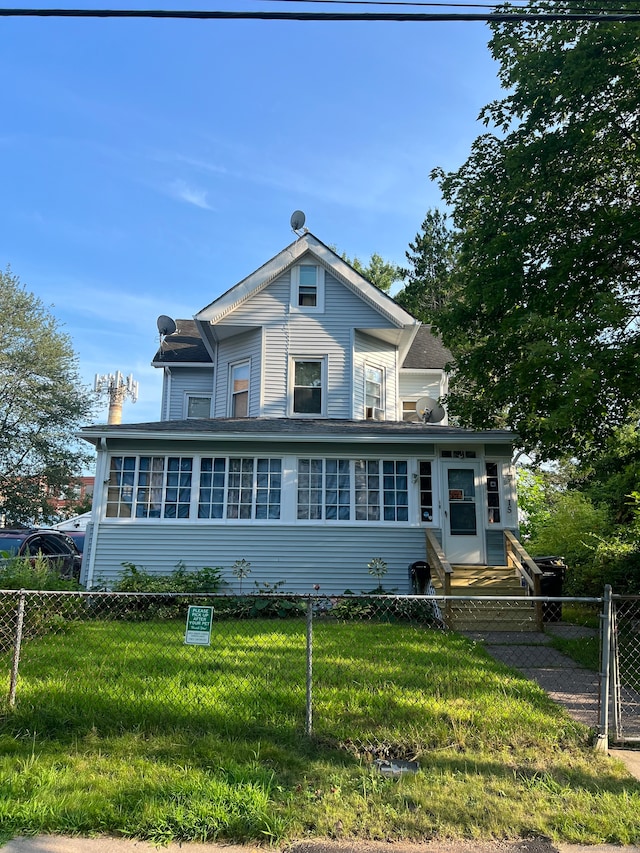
(429, 410)
(166, 326)
(297, 220)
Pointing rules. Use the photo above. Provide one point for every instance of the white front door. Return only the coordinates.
(462, 534)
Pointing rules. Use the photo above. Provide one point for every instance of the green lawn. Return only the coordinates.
(121, 729)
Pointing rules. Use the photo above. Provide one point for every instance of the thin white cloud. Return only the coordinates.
(183, 191)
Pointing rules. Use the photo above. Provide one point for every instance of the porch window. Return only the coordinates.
(149, 487)
(381, 490)
(240, 488)
(324, 489)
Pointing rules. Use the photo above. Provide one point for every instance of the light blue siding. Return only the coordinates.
(291, 332)
(301, 556)
(183, 380)
(496, 555)
(376, 353)
(230, 351)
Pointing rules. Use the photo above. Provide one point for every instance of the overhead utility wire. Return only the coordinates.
(499, 17)
(615, 9)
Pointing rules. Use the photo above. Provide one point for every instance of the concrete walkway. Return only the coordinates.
(573, 686)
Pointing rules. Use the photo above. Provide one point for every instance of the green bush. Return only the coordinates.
(36, 572)
(134, 579)
(263, 604)
(158, 592)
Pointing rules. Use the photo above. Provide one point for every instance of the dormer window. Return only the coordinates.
(374, 383)
(307, 287)
(239, 396)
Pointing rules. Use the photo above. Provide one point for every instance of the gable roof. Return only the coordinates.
(307, 243)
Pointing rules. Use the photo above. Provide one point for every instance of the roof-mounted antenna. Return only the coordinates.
(297, 222)
(429, 410)
(166, 326)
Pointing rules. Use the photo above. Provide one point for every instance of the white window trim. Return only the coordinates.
(187, 397)
(230, 394)
(323, 360)
(318, 308)
(383, 382)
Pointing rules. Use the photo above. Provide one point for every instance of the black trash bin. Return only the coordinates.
(551, 582)
(419, 576)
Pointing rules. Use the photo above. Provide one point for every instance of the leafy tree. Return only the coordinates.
(544, 324)
(382, 273)
(432, 261)
(42, 402)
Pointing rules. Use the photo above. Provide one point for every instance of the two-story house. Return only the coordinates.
(293, 435)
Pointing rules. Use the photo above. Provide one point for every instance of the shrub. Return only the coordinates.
(35, 573)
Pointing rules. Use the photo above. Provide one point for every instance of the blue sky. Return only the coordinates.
(148, 165)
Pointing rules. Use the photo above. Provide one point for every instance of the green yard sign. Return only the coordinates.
(199, 621)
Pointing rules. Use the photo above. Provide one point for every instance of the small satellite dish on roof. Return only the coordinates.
(166, 326)
(297, 220)
(429, 410)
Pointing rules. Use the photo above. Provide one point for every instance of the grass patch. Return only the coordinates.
(121, 729)
(583, 650)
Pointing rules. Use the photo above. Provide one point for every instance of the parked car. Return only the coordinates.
(54, 545)
(78, 537)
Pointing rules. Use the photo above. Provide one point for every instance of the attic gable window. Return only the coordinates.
(307, 288)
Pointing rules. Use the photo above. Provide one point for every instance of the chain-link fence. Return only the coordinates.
(625, 668)
(372, 673)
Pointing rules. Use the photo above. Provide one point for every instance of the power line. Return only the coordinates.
(498, 17)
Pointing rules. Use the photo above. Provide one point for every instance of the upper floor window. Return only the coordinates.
(307, 287)
(308, 386)
(239, 402)
(374, 406)
(197, 406)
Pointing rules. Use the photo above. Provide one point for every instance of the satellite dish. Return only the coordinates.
(297, 220)
(429, 410)
(166, 326)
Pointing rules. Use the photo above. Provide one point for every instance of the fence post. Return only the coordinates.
(308, 726)
(17, 643)
(602, 739)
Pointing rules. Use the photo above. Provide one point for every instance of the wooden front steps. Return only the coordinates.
(487, 615)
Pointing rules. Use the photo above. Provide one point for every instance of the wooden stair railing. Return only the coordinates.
(439, 564)
(526, 568)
